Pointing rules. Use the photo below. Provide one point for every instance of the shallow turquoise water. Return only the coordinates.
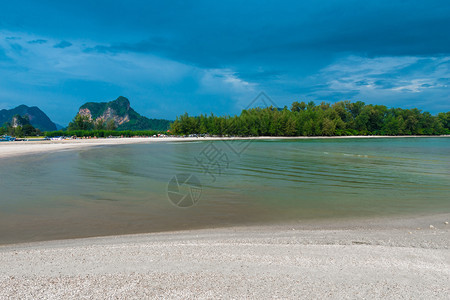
(124, 189)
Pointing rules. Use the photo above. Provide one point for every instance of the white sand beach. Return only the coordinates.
(383, 259)
(9, 149)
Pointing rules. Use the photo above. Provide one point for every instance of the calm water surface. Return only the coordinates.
(123, 189)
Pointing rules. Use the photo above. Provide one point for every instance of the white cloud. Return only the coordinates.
(224, 81)
(42, 66)
(405, 74)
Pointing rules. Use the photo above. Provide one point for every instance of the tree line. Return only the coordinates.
(308, 119)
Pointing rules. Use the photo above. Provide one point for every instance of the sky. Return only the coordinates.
(171, 57)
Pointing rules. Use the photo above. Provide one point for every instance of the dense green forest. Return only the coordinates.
(309, 119)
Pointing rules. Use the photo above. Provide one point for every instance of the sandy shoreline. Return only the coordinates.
(10, 149)
(242, 262)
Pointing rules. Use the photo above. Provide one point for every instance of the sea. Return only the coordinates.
(169, 186)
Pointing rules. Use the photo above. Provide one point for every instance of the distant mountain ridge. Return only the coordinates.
(36, 116)
(125, 117)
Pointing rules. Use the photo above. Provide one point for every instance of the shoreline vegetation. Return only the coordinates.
(342, 118)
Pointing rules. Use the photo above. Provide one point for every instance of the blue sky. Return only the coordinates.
(169, 57)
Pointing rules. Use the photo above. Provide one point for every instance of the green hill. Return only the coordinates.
(36, 116)
(125, 117)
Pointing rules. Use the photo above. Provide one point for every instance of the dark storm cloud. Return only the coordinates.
(153, 45)
(229, 32)
(63, 44)
(273, 32)
(330, 49)
(38, 41)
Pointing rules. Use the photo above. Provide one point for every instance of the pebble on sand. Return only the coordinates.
(446, 223)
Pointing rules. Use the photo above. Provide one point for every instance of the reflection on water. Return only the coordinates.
(123, 189)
